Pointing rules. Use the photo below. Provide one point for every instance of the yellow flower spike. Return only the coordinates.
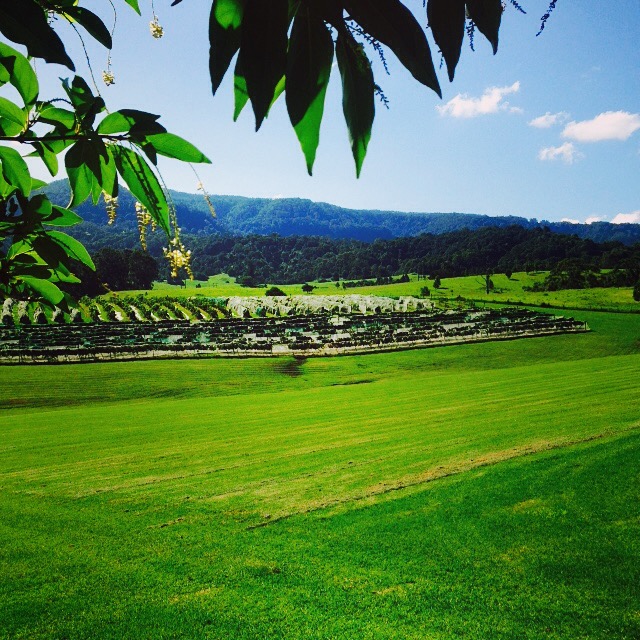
(144, 220)
(111, 205)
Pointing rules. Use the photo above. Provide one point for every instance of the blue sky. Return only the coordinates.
(549, 128)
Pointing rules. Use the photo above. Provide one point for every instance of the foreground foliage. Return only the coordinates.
(99, 148)
(287, 47)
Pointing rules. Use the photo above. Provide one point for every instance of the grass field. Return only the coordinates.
(477, 491)
(471, 287)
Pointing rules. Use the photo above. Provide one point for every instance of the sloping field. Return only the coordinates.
(507, 290)
(484, 491)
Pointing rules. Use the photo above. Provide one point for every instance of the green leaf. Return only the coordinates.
(96, 192)
(25, 22)
(115, 123)
(72, 248)
(390, 22)
(90, 21)
(39, 204)
(15, 170)
(358, 90)
(62, 274)
(19, 248)
(89, 167)
(43, 288)
(21, 75)
(277, 92)
(80, 174)
(134, 5)
(148, 151)
(225, 20)
(172, 146)
(13, 112)
(49, 252)
(228, 13)
(109, 182)
(142, 183)
(56, 144)
(240, 93)
(87, 105)
(446, 19)
(61, 217)
(487, 15)
(37, 184)
(138, 123)
(57, 116)
(308, 70)
(263, 43)
(32, 270)
(9, 127)
(47, 156)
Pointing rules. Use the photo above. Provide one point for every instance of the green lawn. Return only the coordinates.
(478, 491)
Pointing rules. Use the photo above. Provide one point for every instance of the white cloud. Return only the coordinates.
(610, 125)
(633, 217)
(491, 101)
(549, 119)
(565, 152)
(589, 220)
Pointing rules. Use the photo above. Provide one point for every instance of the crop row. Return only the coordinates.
(121, 309)
(318, 334)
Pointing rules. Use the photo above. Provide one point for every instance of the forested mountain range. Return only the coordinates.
(289, 241)
(236, 215)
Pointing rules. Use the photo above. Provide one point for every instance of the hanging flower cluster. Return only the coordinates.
(207, 199)
(111, 205)
(108, 78)
(107, 75)
(156, 29)
(179, 258)
(144, 220)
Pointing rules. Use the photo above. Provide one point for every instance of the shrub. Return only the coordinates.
(7, 312)
(274, 291)
(39, 316)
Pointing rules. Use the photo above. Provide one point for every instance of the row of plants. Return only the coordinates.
(254, 335)
(113, 309)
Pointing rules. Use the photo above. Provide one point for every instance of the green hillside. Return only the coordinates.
(507, 291)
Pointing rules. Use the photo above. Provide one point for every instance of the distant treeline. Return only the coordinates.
(116, 270)
(268, 259)
(460, 253)
(574, 273)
